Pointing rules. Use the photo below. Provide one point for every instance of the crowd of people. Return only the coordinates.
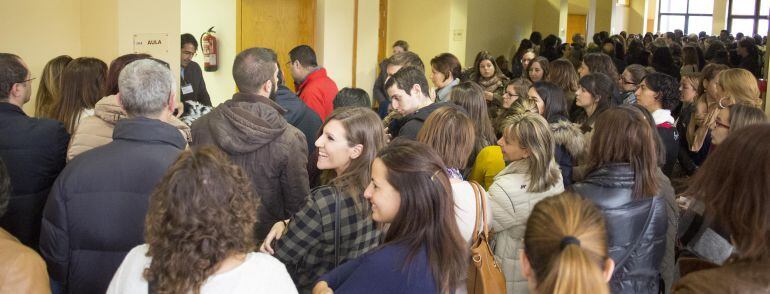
(554, 169)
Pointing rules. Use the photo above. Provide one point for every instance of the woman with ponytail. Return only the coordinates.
(565, 247)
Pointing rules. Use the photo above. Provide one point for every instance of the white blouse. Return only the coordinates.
(259, 273)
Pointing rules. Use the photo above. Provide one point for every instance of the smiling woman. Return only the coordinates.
(423, 250)
(348, 143)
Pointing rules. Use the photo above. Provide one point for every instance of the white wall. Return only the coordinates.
(197, 16)
(38, 31)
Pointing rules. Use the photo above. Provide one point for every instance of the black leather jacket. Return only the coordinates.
(636, 228)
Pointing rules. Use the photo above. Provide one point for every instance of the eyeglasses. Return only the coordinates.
(27, 80)
(622, 79)
(189, 53)
(511, 95)
(719, 124)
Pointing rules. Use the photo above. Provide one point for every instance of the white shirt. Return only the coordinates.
(465, 208)
(259, 273)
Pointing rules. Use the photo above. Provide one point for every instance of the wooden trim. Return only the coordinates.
(355, 40)
(382, 46)
(238, 26)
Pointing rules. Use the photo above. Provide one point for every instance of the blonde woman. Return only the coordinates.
(531, 176)
(706, 108)
(565, 247)
(49, 89)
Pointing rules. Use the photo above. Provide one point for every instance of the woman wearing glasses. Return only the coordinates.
(733, 118)
(629, 81)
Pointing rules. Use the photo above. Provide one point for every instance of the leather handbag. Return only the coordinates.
(484, 274)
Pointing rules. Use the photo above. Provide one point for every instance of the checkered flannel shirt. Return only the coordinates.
(307, 249)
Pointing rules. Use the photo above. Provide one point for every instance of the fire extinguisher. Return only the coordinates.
(209, 48)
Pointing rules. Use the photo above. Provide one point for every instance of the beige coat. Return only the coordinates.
(96, 130)
(511, 205)
(21, 269)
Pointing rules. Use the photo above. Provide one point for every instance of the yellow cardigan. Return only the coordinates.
(489, 162)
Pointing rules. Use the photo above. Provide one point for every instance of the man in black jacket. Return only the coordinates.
(408, 91)
(193, 87)
(34, 151)
(298, 114)
(95, 212)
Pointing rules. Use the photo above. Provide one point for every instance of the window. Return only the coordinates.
(690, 16)
(748, 17)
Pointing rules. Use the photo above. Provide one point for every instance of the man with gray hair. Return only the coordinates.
(95, 212)
(251, 129)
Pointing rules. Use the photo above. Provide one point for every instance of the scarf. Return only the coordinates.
(490, 84)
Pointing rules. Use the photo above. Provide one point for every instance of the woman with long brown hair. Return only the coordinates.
(470, 97)
(423, 251)
(49, 89)
(82, 85)
(624, 182)
(527, 143)
(312, 242)
(733, 185)
(488, 75)
(562, 73)
(565, 247)
(199, 232)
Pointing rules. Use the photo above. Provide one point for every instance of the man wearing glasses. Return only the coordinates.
(193, 88)
(33, 149)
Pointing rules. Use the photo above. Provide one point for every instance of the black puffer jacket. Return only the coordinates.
(95, 212)
(636, 228)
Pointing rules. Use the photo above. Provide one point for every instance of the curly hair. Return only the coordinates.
(202, 212)
(667, 88)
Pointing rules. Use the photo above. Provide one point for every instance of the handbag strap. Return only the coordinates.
(481, 211)
(641, 234)
(336, 228)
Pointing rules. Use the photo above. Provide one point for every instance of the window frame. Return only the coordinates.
(756, 17)
(686, 15)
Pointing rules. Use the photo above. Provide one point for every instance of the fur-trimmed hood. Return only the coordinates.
(569, 135)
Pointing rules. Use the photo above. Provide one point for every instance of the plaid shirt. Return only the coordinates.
(307, 249)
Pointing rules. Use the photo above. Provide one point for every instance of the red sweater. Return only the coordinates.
(318, 92)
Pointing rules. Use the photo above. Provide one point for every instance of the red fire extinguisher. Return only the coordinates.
(209, 48)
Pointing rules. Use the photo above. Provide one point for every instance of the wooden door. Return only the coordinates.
(278, 25)
(576, 23)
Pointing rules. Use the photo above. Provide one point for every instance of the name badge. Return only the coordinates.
(187, 89)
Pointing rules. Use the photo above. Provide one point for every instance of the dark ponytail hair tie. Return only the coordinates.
(567, 241)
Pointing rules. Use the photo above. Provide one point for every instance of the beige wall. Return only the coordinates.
(38, 31)
(197, 16)
(497, 30)
(366, 55)
(134, 17)
(637, 18)
(98, 27)
(550, 19)
(424, 24)
(458, 29)
(334, 39)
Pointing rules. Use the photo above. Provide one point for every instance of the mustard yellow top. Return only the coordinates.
(489, 162)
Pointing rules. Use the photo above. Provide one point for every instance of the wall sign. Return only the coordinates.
(153, 44)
